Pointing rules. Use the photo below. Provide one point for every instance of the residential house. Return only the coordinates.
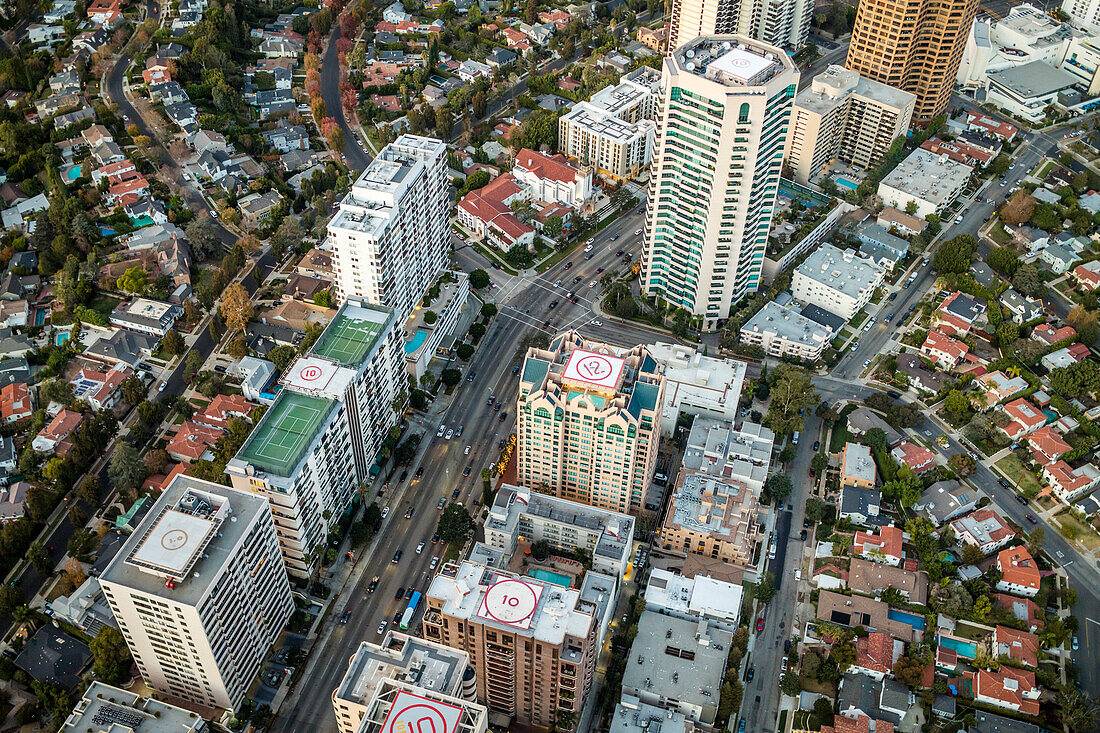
(1049, 335)
(1022, 308)
(550, 178)
(998, 387)
(193, 441)
(54, 438)
(1024, 418)
(1009, 688)
(944, 350)
(168, 93)
(920, 378)
(1019, 573)
(204, 140)
(857, 468)
(917, 457)
(876, 654)
(860, 506)
(122, 347)
(257, 209)
(486, 213)
(471, 70)
(985, 529)
(885, 547)
(1088, 274)
(16, 402)
(100, 390)
(1065, 357)
(146, 315)
(874, 578)
(1047, 446)
(1019, 646)
(287, 137)
(944, 500)
(12, 498)
(851, 611)
(1059, 258)
(1023, 609)
(957, 313)
(1069, 484)
(222, 408)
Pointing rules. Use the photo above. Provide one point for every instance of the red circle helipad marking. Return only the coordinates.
(310, 373)
(510, 602)
(594, 367)
(418, 718)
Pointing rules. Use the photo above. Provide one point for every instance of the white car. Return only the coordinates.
(442, 429)
(420, 548)
(557, 284)
(467, 451)
(590, 241)
(637, 232)
(597, 323)
(592, 283)
(588, 248)
(382, 627)
(434, 563)
(385, 512)
(449, 435)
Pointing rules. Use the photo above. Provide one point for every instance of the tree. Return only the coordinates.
(956, 403)
(126, 469)
(450, 377)
(972, 554)
(982, 607)
(789, 685)
(765, 589)
(287, 236)
(11, 597)
(479, 103)
(133, 390)
(281, 356)
(1035, 540)
(172, 343)
(134, 280)
(1078, 709)
(816, 509)
(1018, 209)
(40, 559)
(791, 392)
(236, 307)
(1028, 281)
(479, 279)
(779, 487)
(909, 671)
(111, 656)
(488, 310)
(1085, 323)
(875, 439)
(962, 464)
(464, 351)
(1005, 260)
(954, 254)
(202, 237)
(456, 524)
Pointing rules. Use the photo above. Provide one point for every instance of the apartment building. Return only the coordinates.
(840, 281)
(696, 384)
(385, 680)
(844, 116)
(985, 529)
(615, 131)
(783, 331)
(913, 45)
(588, 422)
(316, 444)
(782, 23)
(932, 182)
(716, 448)
(533, 644)
(716, 517)
(104, 707)
(391, 236)
(520, 516)
(713, 186)
(199, 592)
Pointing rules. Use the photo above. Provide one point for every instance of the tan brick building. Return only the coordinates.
(713, 516)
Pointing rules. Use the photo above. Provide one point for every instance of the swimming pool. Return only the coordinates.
(551, 577)
(917, 622)
(965, 649)
(841, 180)
(416, 341)
(61, 338)
(73, 173)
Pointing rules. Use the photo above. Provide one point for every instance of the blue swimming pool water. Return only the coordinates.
(107, 232)
(962, 648)
(61, 338)
(846, 183)
(917, 622)
(551, 577)
(74, 172)
(416, 342)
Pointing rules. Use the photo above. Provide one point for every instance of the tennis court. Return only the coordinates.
(347, 340)
(280, 440)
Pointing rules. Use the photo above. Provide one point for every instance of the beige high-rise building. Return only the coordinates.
(589, 422)
(533, 644)
(843, 116)
(914, 45)
(782, 23)
(726, 107)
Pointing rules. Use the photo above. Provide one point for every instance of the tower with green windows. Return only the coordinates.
(726, 108)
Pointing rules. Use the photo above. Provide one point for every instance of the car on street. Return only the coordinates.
(591, 283)
(741, 726)
(466, 471)
(397, 615)
(466, 452)
(1076, 644)
(547, 324)
(1031, 518)
(760, 624)
(588, 256)
(491, 400)
(400, 592)
(409, 513)
(557, 284)
(450, 434)
(751, 674)
(435, 538)
(515, 369)
(404, 475)
(620, 253)
(434, 563)
(1020, 498)
(553, 304)
(637, 232)
(442, 429)
(409, 592)
(419, 472)
(397, 557)
(382, 627)
(568, 265)
(345, 617)
(420, 548)
(817, 445)
(866, 363)
(470, 377)
(812, 473)
(577, 279)
(441, 504)
(385, 512)
(454, 494)
(373, 584)
(502, 417)
(802, 535)
(893, 395)
(588, 248)
(854, 347)
(597, 323)
(496, 407)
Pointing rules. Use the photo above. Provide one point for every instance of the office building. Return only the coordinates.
(107, 709)
(714, 183)
(588, 422)
(678, 664)
(317, 443)
(781, 23)
(843, 116)
(1027, 91)
(199, 592)
(1084, 13)
(615, 131)
(783, 331)
(520, 517)
(533, 644)
(391, 235)
(384, 680)
(696, 384)
(840, 281)
(912, 45)
(930, 181)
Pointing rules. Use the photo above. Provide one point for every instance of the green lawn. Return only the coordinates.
(1074, 529)
(858, 320)
(840, 434)
(1018, 475)
(998, 234)
(104, 304)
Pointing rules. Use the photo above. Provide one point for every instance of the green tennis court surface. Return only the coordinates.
(347, 340)
(280, 440)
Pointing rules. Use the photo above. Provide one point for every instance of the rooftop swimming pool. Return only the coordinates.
(551, 577)
(416, 341)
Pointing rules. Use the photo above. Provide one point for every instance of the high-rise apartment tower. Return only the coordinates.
(782, 23)
(913, 45)
(726, 106)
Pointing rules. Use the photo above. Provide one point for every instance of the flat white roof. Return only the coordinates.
(314, 375)
(411, 712)
(172, 543)
(741, 63)
(592, 368)
(510, 601)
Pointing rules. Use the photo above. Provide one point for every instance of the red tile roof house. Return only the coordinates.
(53, 439)
(192, 441)
(16, 402)
(1025, 418)
(1087, 275)
(1049, 335)
(1047, 446)
(1068, 483)
(917, 457)
(1019, 573)
(985, 529)
(159, 481)
(156, 74)
(957, 313)
(876, 654)
(854, 722)
(884, 547)
(486, 213)
(223, 407)
(944, 350)
(999, 386)
(1024, 609)
(1017, 645)
(1009, 688)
